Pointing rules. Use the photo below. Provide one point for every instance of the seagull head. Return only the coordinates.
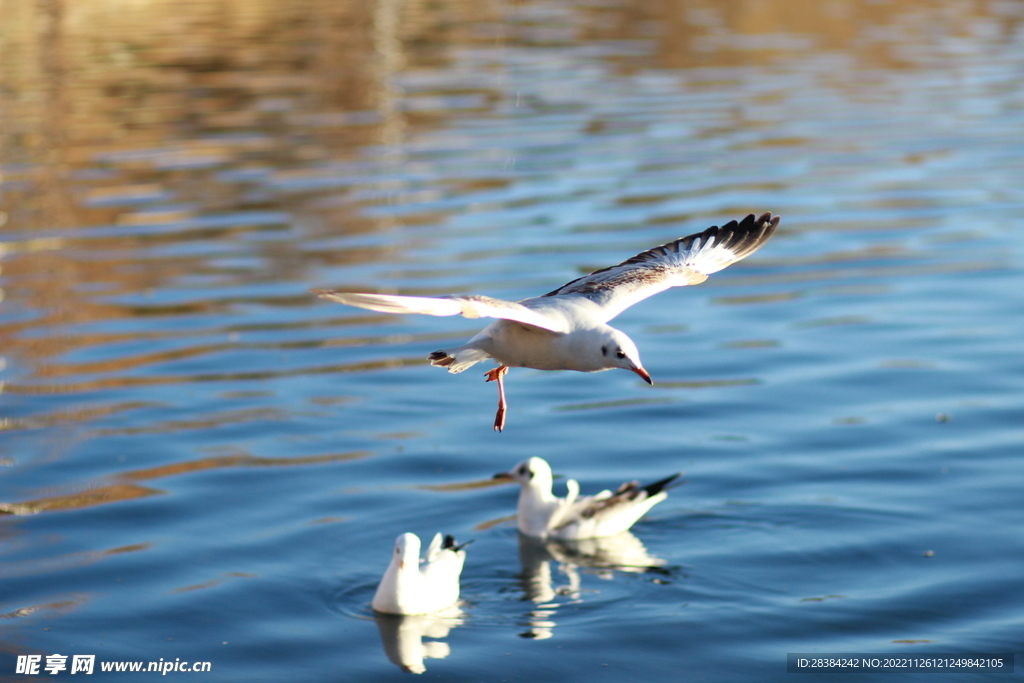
(407, 551)
(532, 473)
(618, 351)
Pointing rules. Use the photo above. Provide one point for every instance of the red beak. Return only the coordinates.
(643, 373)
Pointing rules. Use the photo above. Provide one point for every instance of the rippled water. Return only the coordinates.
(203, 461)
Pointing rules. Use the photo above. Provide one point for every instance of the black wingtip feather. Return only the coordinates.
(440, 358)
(741, 238)
(449, 543)
(662, 484)
(745, 237)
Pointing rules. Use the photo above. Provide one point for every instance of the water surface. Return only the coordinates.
(203, 461)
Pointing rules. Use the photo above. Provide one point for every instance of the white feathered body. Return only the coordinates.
(541, 514)
(409, 587)
(515, 345)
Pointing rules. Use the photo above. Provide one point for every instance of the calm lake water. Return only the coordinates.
(201, 461)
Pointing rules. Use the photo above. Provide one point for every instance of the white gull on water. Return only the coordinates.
(566, 329)
(541, 514)
(408, 588)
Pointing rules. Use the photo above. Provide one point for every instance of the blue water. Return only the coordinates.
(202, 461)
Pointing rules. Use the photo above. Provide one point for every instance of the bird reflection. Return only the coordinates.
(403, 637)
(601, 556)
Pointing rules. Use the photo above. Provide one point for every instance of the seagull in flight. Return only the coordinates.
(541, 514)
(567, 329)
(408, 588)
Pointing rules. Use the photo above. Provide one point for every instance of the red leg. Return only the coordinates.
(495, 375)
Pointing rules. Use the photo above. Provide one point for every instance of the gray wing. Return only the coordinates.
(685, 261)
(467, 306)
(628, 495)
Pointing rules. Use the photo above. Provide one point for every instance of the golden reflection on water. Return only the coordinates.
(111, 105)
(58, 563)
(125, 382)
(60, 606)
(159, 156)
(126, 490)
(85, 499)
(138, 84)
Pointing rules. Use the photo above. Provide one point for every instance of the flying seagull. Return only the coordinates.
(566, 329)
(408, 588)
(541, 514)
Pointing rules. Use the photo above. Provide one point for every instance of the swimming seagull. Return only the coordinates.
(408, 588)
(566, 329)
(543, 515)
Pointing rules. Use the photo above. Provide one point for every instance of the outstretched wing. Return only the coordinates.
(686, 261)
(467, 306)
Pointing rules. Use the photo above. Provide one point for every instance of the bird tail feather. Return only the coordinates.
(458, 359)
(665, 484)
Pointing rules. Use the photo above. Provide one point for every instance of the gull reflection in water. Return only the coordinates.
(403, 637)
(600, 556)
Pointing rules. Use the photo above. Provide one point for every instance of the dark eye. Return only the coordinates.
(604, 350)
(523, 470)
(620, 354)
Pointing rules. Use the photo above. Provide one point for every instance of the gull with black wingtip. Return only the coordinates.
(408, 588)
(566, 329)
(541, 514)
